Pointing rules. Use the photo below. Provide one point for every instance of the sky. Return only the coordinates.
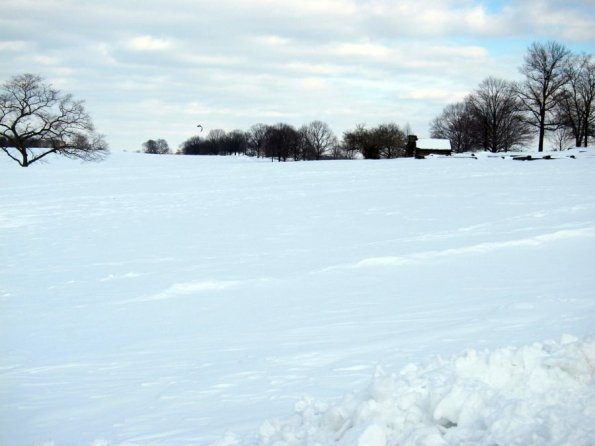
(151, 69)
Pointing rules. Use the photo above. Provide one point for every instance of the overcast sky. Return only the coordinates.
(155, 69)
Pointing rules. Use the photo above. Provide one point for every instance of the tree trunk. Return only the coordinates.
(541, 130)
(24, 157)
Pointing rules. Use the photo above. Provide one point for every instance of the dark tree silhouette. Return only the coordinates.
(457, 124)
(235, 143)
(281, 141)
(384, 141)
(498, 117)
(158, 147)
(361, 140)
(545, 71)
(390, 139)
(37, 120)
(256, 139)
(192, 146)
(575, 111)
(319, 140)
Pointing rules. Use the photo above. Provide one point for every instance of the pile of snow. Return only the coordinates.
(541, 394)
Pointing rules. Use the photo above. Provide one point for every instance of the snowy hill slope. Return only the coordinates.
(168, 300)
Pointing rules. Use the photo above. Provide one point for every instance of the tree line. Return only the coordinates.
(282, 141)
(556, 96)
(313, 141)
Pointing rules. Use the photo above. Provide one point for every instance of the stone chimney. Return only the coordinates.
(411, 145)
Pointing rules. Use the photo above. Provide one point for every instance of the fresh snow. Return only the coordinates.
(171, 300)
(433, 143)
(536, 395)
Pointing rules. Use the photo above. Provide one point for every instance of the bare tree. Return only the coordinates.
(498, 115)
(281, 141)
(337, 152)
(157, 147)
(384, 141)
(350, 146)
(561, 137)
(256, 139)
(391, 140)
(545, 70)
(361, 140)
(192, 146)
(37, 120)
(217, 138)
(303, 150)
(320, 139)
(587, 94)
(457, 124)
(236, 142)
(574, 108)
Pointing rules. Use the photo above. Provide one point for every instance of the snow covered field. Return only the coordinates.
(169, 300)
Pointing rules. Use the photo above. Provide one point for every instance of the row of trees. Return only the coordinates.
(218, 142)
(313, 141)
(556, 96)
(281, 141)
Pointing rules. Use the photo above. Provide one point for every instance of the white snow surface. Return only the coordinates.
(172, 300)
(536, 395)
(433, 143)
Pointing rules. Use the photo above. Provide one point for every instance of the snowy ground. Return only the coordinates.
(169, 300)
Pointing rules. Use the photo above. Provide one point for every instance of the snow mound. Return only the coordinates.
(541, 394)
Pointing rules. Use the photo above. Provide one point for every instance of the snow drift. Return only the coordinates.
(541, 394)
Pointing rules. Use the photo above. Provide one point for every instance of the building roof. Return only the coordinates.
(434, 144)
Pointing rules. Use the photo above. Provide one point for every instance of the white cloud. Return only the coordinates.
(313, 7)
(437, 94)
(149, 43)
(313, 83)
(477, 18)
(312, 68)
(548, 17)
(365, 49)
(44, 59)
(272, 40)
(237, 63)
(15, 46)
